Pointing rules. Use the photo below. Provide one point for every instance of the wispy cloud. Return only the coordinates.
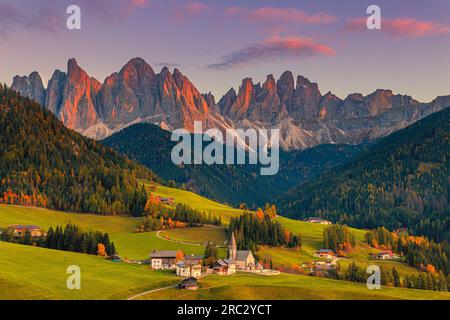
(282, 15)
(112, 10)
(45, 15)
(290, 15)
(275, 47)
(400, 27)
(33, 18)
(195, 7)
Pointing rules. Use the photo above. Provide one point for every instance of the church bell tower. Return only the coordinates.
(232, 248)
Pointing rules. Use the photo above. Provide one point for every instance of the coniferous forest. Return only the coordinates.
(252, 230)
(402, 181)
(44, 164)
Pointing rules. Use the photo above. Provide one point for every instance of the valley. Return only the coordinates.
(103, 279)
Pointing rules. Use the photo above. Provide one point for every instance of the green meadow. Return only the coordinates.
(196, 202)
(287, 287)
(36, 273)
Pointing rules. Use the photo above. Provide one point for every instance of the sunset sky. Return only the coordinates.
(218, 43)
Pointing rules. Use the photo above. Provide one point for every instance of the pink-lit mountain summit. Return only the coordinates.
(303, 114)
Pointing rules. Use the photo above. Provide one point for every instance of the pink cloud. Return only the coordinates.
(37, 17)
(283, 15)
(400, 27)
(112, 10)
(195, 7)
(275, 47)
(234, 10)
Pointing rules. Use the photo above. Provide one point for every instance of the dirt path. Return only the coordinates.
(150, 291)
(158, 234)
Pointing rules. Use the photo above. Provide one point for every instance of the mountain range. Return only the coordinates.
(304, 115)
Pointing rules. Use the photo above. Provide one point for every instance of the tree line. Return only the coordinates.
(430, 280)
(419, 251)
(338, 238)
(68, 238)
(158, 216)
(252, 230)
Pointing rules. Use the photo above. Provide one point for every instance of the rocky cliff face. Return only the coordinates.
(31, 87)
(304, 116)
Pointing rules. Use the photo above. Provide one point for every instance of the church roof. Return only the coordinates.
(242, 255)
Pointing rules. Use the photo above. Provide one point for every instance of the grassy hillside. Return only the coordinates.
(36, 273)
(21, 271)
(288, 287)
(128, 244)
(195, 201)
(45, 218)
(197, 235)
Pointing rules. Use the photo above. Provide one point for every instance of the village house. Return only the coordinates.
(318, 220)
(166, 200)
(164, 260)
(321, 266)
(224, 267)
(187, 270)
(21, 230)
(384, 255)
(190, 266)
(325, 254)
(190, 283)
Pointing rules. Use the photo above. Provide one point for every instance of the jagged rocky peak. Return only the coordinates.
(137, 73)
(55, 91)
(285, 88)
(227, 101)
(244, 100)
(77, 109)
(128, 94)
(210, 99)
(30, 86)
(306, 99)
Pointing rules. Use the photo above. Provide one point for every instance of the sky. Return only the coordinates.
(217, 43)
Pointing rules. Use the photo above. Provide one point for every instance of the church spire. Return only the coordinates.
(232, 248)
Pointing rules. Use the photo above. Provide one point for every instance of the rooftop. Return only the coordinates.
(163, 254)
(19, 226)
(243, 254)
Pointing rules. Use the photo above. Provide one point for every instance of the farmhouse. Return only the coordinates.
(189, 284)
(324, 253)
(164, 260)
(193, 259)
(243, 259)
(224, 267)
(21, 230)
(318, 220)
(383, 255)
(190, 266)
(188, 270)
(166, 200)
